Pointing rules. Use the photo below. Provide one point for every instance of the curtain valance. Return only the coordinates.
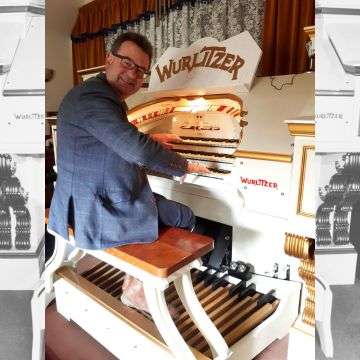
(101, 17)
(279, 31)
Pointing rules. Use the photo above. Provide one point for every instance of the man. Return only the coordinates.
(102, 190)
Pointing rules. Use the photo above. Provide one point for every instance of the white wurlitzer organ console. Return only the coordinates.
(22, 80)
(338, 75)
(247, 285)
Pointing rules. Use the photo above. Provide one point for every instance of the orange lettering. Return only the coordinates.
(174, 70)
(239, 62)
(186, 63)
(212, 49)
(202, 62)
(227, 60)
(166, 73)
(218, 57)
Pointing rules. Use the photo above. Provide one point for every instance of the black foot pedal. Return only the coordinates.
(221, 281)
(249, 291)
(266, 299)
(202, 275)
(211, 278)
(237, 288)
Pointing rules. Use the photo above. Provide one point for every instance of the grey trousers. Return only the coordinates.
(172, 213)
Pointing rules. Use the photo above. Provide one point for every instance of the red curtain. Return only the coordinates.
(87, 54)
(284, 39)
(99, 16)
(283, 36)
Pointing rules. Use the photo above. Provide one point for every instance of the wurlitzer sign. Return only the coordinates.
(258, 182)
(207, 64)
(214, 57)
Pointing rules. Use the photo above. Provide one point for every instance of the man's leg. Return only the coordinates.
(174, 214)
(171, 213)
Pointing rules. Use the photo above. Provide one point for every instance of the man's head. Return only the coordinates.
(127, 63)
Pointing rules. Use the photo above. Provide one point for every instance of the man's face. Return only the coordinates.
(124, 80)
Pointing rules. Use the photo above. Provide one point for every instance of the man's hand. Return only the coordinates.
(197, 168)
(166, 140)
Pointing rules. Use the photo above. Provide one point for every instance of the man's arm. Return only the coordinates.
(167, 141)
(101, 116)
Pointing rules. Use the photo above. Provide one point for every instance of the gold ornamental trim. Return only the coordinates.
(309, 313)
(310, 31)
(257, 155)
(307, 273)
(303, 248)
(297, 129)
(299, 206)
(299, 246)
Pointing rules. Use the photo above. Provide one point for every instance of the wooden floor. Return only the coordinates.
(65, 340)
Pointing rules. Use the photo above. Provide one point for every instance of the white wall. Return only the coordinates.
(60, 19)
(268, 108)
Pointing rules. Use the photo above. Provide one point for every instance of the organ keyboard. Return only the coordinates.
(209, 136)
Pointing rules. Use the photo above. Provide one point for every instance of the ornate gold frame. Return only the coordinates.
(257, 155)
(299, 209)
(301, 129)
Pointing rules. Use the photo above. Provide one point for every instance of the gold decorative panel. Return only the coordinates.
(302, 248)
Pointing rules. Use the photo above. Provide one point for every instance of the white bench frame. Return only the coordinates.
(154, 288)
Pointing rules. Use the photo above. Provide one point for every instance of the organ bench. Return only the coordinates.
(211, 318)
(159, 264)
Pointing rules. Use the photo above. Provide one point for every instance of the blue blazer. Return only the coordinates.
(102, 190)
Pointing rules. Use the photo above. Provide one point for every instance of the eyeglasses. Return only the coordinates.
(130, 65)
